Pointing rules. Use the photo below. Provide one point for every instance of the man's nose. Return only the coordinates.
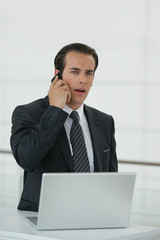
(83, 78)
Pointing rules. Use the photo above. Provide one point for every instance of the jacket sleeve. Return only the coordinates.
(31, 141)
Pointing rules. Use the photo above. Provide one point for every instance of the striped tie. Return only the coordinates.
(80, 158)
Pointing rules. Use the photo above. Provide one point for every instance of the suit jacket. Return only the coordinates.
(39, 144)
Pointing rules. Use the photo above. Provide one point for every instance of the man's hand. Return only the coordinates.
(59, 93)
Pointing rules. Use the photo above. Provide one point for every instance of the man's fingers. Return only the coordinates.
(59, 93)
(61, 83)
(55, 81)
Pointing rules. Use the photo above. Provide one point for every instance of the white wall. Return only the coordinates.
(125, 34)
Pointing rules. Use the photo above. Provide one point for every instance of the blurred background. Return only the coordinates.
(126, 36)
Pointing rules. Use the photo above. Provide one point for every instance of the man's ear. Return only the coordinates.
(56, 71)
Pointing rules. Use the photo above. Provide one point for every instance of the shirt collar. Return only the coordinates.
(79, 110)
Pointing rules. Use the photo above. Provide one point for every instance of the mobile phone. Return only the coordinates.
(59, 76)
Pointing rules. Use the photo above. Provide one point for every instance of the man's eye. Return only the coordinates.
(74, 72)
(90, 73)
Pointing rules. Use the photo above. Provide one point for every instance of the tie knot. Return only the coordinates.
(75, 117)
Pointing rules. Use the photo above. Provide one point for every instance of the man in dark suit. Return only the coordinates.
(40, 139)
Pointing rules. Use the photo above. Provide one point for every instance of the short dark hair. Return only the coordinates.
(59, 61)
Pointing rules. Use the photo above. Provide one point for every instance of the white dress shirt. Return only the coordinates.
(87, 137)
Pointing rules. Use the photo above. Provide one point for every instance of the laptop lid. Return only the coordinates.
(85, 200)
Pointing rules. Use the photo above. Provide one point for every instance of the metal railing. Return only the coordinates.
(154, 164)
(134, 162)
(2, 151)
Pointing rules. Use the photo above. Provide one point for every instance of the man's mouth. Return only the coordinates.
(79, 90)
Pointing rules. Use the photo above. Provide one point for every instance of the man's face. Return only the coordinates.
(79, 74)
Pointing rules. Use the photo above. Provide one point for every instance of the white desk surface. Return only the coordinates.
(14, 226)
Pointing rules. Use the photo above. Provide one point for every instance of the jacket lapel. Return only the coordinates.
(97, 138)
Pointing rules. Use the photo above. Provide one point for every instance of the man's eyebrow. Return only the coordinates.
(89, 70)
(74, 68)
(78, 69)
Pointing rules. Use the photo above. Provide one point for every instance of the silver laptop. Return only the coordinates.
(84, 200)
